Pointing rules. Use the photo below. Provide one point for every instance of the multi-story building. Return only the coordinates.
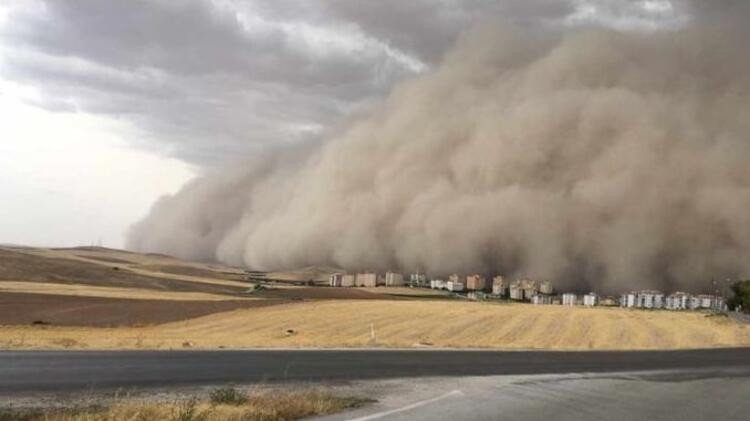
(335, 279)
(500, 286)
(569, 299)
(366, 280)
(516, 291)
(347, 280)
(393, 279)
(437, 284)
(628, 300)
(706, 301)
(591, 299)
(677, 301)
(530, 288)
(455, 285)
(540, 299)
(651, 299)
(643, 299)
(475, 283)
(545, 287)
(418, 280)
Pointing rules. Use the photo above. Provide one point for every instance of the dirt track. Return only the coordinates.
(65, 310)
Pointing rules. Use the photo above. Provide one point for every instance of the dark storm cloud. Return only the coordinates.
(213, 79)
(425, 27)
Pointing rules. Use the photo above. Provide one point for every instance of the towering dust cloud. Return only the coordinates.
(592, 157)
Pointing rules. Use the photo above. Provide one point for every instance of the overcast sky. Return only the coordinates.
(106, 105)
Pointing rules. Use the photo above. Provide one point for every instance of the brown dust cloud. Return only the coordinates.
(597, 158)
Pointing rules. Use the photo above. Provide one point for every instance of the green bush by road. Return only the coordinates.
(741, 290)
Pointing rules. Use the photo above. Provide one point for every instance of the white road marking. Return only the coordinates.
(408, 407)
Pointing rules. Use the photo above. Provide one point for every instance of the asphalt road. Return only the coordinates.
(684, 395)
(68, 371)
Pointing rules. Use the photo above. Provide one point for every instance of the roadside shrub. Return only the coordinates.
(261, 406)
(741, 290)
(227, 396)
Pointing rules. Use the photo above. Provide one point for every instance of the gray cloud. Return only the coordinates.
(213, 79)
(208, 78)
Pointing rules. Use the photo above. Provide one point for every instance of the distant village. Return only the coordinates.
(477, 287)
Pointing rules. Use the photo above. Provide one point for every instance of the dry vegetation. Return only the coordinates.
(402, 323)
(77, 290)
(265, 406)
(69, 298)
(96, 268)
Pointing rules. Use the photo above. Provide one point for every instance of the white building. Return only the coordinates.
(393, 279)
(437, 284)
(591, 299)
(455, 286)
(476, 283)
(418, 279)
(705, 301)
(643, 299)
(650, 299)
(347, 280)
(366, 280)
(530, 288)
(516, 291)
(628, 300)
(500, 286)
(569, 299)
(677, 301)
(499, 290)
(545, 287)
(335, 280)
(540, 299)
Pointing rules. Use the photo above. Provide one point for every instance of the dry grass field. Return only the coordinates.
(79, 290)
(95, 298)
(404, 323)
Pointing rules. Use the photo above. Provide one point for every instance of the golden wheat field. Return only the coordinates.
(405, 323)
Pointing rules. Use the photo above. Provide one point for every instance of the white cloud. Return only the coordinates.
(71, 178)
(627, 15)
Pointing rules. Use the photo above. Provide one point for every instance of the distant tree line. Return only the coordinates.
(741, 290)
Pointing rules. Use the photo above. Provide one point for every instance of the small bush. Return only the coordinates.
(741, 297)
(227, 396)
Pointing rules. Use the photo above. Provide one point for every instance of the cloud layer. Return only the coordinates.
(210, 80)
(597, 158)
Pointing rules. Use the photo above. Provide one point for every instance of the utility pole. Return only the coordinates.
(725, 292)
(716, 294)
